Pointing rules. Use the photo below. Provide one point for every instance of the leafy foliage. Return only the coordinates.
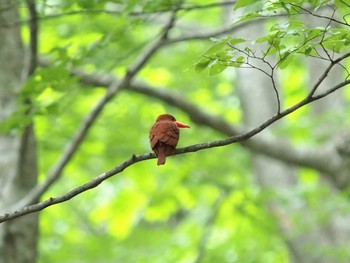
(203, 207)
(287, 39)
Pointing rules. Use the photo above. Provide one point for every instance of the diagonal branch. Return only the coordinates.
(190, 7)
(265, 144)
(114, 87)
(326, 72)
(308, 12)
(193, 148)
(223, 30)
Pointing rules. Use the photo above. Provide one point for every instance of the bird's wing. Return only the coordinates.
(165, 132)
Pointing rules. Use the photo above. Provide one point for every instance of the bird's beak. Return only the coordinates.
(181, 125)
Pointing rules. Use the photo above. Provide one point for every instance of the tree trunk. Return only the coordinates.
(18, 173)
(308, 242)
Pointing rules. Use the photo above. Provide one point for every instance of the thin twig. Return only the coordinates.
(308, 12)
(270, 75)
(324, 35)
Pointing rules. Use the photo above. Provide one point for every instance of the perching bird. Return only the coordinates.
(164, 136)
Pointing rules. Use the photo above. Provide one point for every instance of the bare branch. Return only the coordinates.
(92, 184)
(190, 7)
(308, 12)
(223, 30)
(331, 90)
(326, 72)
(193, 148)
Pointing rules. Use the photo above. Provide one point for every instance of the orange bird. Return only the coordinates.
(164, 136)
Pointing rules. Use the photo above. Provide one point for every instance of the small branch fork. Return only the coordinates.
(270, 73)
(193, 148)
(272, 67)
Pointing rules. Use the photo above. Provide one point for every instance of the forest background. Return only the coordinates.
(262, 175)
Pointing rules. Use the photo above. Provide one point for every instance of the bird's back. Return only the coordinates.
(164, 132)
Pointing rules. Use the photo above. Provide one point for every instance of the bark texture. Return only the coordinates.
(18, 170)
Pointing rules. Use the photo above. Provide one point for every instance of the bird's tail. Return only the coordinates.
(161, 158)
(163, 152)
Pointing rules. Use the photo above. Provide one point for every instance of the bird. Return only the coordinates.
(164, 135)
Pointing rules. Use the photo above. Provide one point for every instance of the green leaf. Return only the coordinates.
(263, 39)
(216, 68)
(337, 40)
(285, 59)
(314, 33)
(201, 64)
(284, 6)
(244, 3)
(86, 3)
(247, 17)
(240, 59)
(234, 41)
(213, 62)
(308, 51)
(215, 48)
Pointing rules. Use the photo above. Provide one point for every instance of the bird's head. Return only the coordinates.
(168, 117)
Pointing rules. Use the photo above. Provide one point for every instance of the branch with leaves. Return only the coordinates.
(311, 97)
(196, 114)
(267, 145)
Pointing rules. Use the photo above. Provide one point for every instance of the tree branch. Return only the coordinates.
(326, 72)
(193, 148)
(114, 87)
(265, 144)
(197, 115)
(91, 184)
(190, 7)
(33, 40)
(223, 30)
(308, 12)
